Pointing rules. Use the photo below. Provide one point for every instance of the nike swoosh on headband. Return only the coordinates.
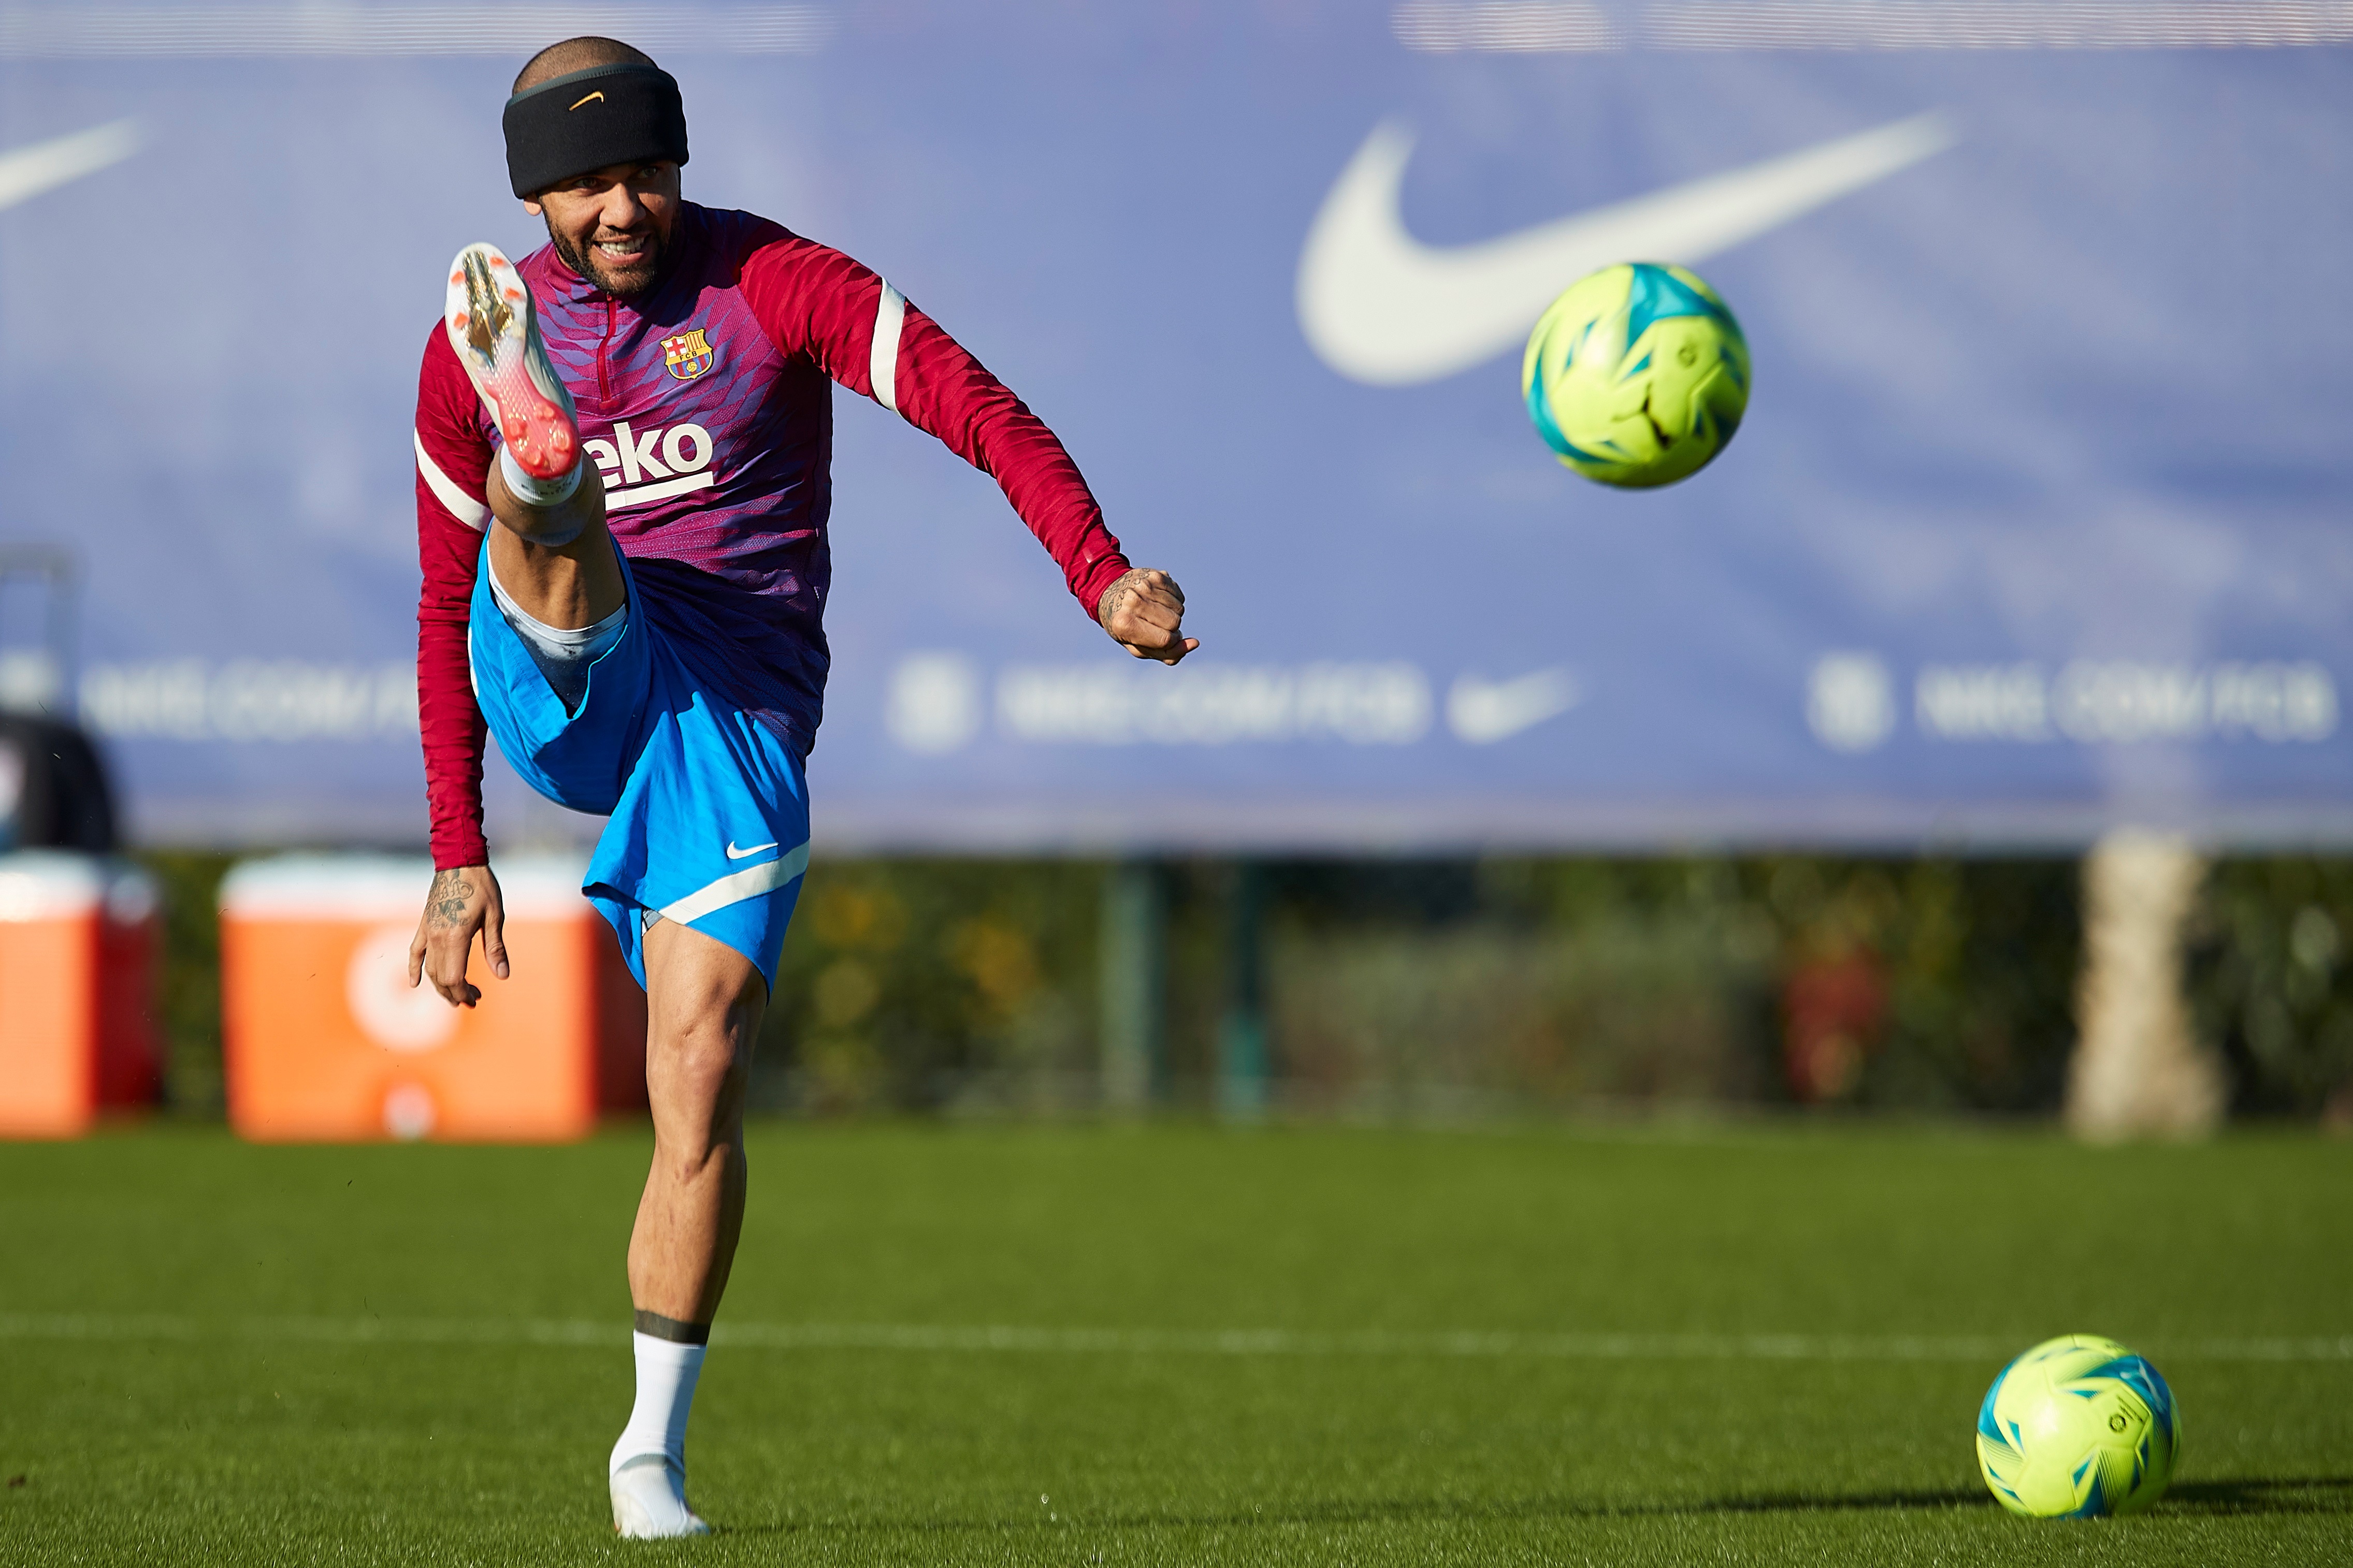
(28, 172)
(1381, 307)
(735, 854)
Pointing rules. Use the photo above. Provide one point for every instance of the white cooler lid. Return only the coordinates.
(62, 884)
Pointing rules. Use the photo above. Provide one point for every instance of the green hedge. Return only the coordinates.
(1414, 988)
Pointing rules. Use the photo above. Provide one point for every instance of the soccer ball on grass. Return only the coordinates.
(1636, 376)
(2077, 1428)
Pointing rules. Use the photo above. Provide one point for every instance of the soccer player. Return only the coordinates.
(622, 451)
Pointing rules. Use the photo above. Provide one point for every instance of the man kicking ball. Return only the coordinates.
(646, 642)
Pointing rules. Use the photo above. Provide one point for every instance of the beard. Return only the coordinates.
(621, 282)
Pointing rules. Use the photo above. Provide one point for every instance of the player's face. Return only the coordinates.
(611, 225)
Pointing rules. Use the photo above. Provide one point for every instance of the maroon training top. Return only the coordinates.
(707, 406)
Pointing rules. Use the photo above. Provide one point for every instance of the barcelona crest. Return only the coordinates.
(689, 354)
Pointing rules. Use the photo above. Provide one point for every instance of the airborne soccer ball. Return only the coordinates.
(1636, 376)
(2077, 1428)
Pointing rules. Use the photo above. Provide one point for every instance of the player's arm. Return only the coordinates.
(866, 336)
(453, 460)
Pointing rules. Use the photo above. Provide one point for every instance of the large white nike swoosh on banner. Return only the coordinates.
(1483, 712)
(1381, 307)
(29, 170)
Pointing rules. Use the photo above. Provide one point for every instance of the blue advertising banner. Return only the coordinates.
(2042, 518)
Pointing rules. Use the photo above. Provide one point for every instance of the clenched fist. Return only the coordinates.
(1145, 614)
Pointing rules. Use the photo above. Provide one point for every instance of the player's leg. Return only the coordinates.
(566, 585)
(708, 840)
(703, 1003)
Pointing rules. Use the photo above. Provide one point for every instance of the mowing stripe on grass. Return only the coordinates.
(982, 1339)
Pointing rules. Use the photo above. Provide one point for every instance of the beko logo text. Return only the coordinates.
(653, 465)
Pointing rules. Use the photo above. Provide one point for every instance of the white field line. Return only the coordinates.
(987, 1340)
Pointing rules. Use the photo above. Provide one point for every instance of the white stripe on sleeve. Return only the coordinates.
(462, 507)
(888, 318)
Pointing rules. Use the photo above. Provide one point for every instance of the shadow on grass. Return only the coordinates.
(2299, 1494)
(2285, 1494)
(1403, 1510)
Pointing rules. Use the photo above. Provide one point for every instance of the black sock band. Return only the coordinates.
(654, 1326)
(592, 118)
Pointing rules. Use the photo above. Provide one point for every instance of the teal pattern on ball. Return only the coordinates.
(2078, 1427)
(1637, 375)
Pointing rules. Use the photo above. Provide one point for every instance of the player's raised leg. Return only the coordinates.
(553, 557)
(703, 1003)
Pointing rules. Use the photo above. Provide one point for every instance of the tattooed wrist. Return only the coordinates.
(1116, 597)
(446, 904)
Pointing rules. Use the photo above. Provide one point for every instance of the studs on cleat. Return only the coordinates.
(487, 316)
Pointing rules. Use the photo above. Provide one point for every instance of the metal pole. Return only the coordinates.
(40, 680)
(1242, 1068)
(1134, 956)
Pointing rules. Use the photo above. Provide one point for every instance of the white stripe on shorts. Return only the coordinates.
(462, 507)
(737, 886)
(889, 317)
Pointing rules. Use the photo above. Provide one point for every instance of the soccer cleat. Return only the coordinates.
(650, 1501)
(495, 329)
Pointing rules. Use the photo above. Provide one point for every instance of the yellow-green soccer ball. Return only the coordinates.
(1637, 376)
(2077, 1428)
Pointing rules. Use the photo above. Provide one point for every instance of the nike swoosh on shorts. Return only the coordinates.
(28, 171)
(735, 854)
(1381, 307)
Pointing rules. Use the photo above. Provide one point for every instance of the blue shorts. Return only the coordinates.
(709, 810)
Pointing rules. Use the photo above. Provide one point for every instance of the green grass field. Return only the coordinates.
(1168, 1345)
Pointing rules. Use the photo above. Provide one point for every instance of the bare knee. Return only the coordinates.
(705, 1001)
(696, 1078)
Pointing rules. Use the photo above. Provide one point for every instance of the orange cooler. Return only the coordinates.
(325, 1040)
(78, 947)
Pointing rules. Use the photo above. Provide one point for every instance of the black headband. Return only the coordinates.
(591, 118)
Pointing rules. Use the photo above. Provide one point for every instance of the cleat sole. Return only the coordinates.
(494, 328)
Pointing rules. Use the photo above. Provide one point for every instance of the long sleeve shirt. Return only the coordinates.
(705, 404)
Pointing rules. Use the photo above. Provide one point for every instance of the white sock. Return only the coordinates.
(666, 1376)
(538, 492)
